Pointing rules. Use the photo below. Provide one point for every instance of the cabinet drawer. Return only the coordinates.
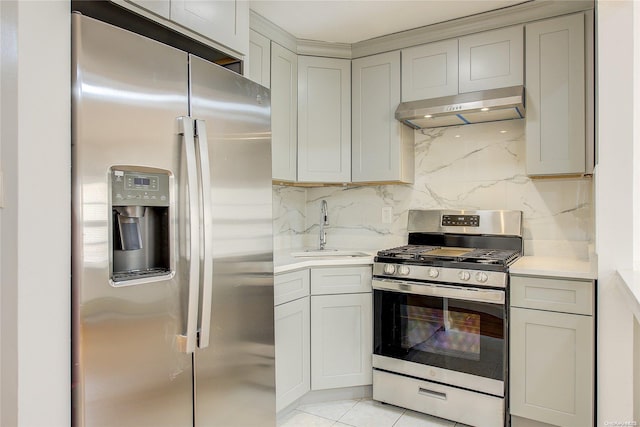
(562, 295)
(439, 400)
(290, 286)
(340, 280)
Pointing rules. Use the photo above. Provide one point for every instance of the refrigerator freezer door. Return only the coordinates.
(128, 368)
(235, 374)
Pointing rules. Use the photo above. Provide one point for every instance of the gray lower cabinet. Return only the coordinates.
(323, 330)
(551, 368)
(292, 337)
(292, 351)
(341, 327)
(341, 340)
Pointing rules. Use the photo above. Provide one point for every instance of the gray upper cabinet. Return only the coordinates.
(258, 64)
(430, 70)
(555, 82)
(284, 113)
(324, 119)
(224, 21)
(159, 7)
(487, 60)
(490, 60)
(382, 148)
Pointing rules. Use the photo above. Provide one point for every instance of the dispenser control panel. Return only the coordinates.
(137, 182)
(130, 188)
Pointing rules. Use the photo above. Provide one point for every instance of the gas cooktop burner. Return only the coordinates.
(426, 254)
(468, 248)
(407, 252)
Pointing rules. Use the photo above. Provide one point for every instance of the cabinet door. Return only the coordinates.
(430, 70)
(284, 112)
(159, 7)
(492, 59)
(552, 367)
(341, 340)
(258, 64)
(223, 21)
(292, 351)
(381, 147)
(555, 84)
(324, 119)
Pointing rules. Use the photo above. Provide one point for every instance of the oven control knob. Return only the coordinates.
(389, 269)
(481, 276)
(464, 276)
(403, 270)
(433, 273)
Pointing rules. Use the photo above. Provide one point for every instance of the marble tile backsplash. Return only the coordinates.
(477, 166)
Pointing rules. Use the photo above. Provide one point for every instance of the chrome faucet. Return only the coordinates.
(324, 220)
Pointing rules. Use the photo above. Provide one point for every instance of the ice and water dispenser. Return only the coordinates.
(140, 217)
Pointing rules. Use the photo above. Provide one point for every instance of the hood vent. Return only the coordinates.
(463, 109)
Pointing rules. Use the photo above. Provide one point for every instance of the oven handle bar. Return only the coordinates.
(442, 291)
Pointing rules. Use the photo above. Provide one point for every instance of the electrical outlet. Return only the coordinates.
(387, 214)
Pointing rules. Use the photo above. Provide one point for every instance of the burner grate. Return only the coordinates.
(427, 253)
(407, 251)
(491, 256)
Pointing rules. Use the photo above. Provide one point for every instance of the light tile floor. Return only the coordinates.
(359, 413)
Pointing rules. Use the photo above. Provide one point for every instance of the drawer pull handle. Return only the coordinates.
(431, 393)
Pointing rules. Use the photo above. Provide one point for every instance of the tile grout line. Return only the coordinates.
(358, 400)
(404, 411)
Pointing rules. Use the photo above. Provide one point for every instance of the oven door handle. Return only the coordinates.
(442, 291)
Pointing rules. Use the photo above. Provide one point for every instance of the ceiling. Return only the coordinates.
(351, 21)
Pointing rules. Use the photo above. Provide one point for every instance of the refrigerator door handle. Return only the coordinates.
(187, 132)
(207, 246)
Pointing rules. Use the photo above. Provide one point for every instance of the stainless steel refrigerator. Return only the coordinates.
(172, 277)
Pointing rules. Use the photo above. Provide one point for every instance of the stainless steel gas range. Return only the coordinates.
(440, 315)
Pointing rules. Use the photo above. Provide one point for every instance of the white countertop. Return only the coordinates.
(283, 261)
(555, 267)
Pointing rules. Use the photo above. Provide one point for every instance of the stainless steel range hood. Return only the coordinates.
(463, 109)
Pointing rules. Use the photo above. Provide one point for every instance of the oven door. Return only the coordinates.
(445, 333)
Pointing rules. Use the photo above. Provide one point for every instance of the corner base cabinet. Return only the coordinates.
(341, 327)
(552, 337)
(341, 340)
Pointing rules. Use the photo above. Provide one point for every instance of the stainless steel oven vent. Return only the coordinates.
(463, 109)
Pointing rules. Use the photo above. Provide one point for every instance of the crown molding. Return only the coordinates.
(262, 25)
(532, 10)
(512, 15)
(318, 48)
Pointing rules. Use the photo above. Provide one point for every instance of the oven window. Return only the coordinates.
(464, 336)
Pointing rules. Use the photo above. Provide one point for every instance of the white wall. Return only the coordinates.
(35, 222)
(614, 206)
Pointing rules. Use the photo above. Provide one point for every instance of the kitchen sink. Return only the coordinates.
(328, 253)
